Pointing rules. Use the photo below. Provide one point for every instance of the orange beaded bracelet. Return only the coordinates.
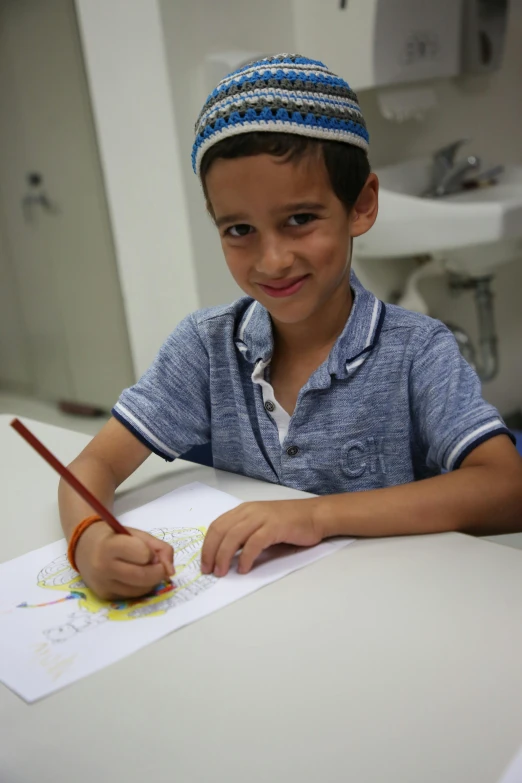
(78, 531)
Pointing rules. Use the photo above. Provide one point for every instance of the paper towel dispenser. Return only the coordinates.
(483, 35)
(374, 43)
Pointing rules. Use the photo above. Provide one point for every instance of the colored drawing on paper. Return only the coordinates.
(91, 611)
(54, 630)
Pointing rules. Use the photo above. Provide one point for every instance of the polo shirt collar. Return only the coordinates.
(254, 334)
(360, 335)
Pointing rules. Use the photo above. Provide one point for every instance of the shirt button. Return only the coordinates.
(269, 406)
(292, 451)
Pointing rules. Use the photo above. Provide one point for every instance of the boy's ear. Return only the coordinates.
(364, 212)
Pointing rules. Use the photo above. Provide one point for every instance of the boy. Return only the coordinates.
(309, 380)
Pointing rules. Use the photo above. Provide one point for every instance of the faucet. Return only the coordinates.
(447, 174)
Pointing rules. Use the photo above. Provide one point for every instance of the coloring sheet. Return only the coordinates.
(54, 630)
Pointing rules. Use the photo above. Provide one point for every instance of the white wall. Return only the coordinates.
(193, 30)
(125, 61)
(15, 368)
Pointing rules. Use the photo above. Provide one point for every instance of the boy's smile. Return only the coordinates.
(285, 234)
(285, 287)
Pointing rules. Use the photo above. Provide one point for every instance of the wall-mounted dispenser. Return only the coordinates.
(483, 35)
(374, 43)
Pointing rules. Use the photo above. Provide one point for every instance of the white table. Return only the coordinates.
(394, 660)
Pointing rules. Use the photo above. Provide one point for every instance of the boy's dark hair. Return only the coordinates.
(348, 166)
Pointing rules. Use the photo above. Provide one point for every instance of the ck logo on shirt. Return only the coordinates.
(364, 456)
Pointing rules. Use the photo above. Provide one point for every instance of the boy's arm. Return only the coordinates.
(112, 565)
(482, 497)
(110, 458)
(167, 412)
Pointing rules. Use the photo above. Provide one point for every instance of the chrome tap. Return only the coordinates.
(448, 174)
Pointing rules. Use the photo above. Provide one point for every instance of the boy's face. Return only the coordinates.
(285, 234)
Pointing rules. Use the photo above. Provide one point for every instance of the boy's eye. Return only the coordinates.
(241, 230)
(301, 219)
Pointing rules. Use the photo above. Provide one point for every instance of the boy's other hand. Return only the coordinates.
(255, 527)
(118, 566)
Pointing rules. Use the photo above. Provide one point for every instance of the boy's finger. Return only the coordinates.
(252, 549)
(124, 590)
(164, 553)
(215, 534)
(210, 547)
(144, 577)
(232, 541)
(167, 565)
(165, 559)
(130, 549)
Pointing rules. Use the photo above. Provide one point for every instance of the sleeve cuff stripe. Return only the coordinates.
(145, 435)
(500, 430)
(140, 437)
(491, 425)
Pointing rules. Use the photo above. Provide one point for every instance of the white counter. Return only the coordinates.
(395, 660)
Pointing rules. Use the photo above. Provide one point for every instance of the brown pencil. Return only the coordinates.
(67, 476)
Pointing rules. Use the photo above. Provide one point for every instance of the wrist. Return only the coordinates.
(83, 542)
(321, 525)
(326, 520)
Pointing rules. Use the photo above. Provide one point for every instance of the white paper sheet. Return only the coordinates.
(54, 631)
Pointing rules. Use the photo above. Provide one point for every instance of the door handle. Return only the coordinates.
(37, 197)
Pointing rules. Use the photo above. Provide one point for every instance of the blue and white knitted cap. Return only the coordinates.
(286, 94)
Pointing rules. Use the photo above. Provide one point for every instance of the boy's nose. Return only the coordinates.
(275, 259)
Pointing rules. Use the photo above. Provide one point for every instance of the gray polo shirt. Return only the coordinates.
(393, 402)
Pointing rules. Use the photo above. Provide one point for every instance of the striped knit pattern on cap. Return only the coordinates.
(287, 94)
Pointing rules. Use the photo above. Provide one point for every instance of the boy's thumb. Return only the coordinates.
(164, 554)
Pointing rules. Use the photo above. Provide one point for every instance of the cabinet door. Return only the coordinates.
(61, 242)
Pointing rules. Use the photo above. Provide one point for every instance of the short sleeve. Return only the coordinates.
(168, 409)
(450, 416)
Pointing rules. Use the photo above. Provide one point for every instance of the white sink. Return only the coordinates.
(472, 231)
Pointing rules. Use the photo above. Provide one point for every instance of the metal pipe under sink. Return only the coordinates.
(486, 363)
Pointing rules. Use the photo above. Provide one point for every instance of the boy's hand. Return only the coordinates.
(118, 566)
(254, 527)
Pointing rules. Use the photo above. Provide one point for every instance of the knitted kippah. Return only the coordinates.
(286, 94)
